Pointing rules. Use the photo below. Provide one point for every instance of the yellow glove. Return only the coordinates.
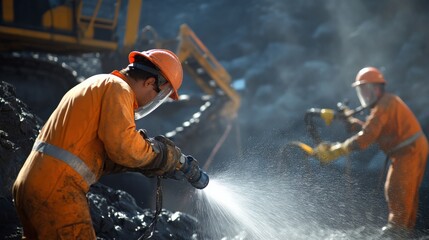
(327, 152)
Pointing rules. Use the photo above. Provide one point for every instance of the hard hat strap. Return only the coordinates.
(144, 68)
(159, 77)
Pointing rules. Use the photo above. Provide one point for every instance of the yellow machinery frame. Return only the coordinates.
(191, 46)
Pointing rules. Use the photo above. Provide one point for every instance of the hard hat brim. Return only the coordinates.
(357, 83)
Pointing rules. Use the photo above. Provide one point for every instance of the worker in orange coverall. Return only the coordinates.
(394, 127)
(90, 133)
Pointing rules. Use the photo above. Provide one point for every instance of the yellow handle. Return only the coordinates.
(327, 115)
(307, 149)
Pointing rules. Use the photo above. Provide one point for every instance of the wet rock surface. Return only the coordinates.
(18, 130)
(115, 213)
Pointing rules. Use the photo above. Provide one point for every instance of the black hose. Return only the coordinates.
(339, 114)
(150, 230)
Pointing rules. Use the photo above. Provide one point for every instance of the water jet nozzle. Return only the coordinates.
(193, 173)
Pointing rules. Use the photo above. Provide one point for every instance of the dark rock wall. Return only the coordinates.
(18, 130)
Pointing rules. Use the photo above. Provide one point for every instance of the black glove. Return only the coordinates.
(167, 160)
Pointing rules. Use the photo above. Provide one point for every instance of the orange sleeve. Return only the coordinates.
(371, 130)
(117, 129)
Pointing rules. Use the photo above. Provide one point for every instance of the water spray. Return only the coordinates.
(289, 204)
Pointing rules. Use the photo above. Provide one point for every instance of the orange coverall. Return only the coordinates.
(391, 123)
(95, 122)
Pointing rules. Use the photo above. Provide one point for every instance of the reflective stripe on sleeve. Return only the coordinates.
(69, 158)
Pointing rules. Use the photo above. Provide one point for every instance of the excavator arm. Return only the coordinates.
(33, 33)
(204, 68)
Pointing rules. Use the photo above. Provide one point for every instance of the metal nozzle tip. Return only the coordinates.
(202, 182)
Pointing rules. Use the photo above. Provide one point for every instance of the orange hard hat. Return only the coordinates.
(167, 62)
(369, 75)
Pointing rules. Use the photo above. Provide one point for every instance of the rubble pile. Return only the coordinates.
(18, 130)
(115, 215)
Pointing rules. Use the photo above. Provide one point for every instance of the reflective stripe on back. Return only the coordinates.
(67, 157)
(406, 142)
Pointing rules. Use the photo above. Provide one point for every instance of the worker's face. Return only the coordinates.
(150, 97)
(145, 91)
(368, 93)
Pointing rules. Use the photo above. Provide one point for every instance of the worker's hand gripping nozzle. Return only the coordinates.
(190, 170)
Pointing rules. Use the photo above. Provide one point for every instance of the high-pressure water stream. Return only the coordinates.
(247, 203)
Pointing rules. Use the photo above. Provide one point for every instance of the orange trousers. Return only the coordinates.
(403, 182)
(57, 209)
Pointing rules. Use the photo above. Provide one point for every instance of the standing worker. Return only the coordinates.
(90, 133)
(398, 133)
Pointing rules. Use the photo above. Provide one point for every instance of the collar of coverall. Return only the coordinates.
(161, 97)
(123, 77)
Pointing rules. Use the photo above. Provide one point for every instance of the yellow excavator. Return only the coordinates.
(72, 27)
